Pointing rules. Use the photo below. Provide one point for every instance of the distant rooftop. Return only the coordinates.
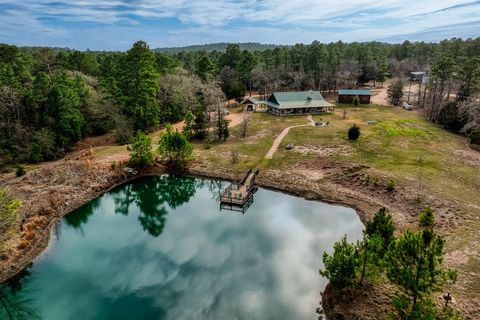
(417, 73)
(352, 92)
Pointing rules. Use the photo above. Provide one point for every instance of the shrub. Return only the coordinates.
(140, 150)
(36, 153)
(353, 132)
(427, 218)
(475, 136)
(390, 186)
(175, 148)
(20, 171)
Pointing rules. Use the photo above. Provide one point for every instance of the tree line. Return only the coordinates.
(50, 99)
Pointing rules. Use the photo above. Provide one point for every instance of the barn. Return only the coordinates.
(347, 95)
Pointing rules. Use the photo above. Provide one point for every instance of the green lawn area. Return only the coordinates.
(399, 144)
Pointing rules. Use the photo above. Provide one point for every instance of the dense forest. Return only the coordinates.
(50, 99)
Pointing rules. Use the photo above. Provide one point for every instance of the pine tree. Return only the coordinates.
(221, 127)
(414, 264)
(141, 87)
(341, 266)
(395, 92)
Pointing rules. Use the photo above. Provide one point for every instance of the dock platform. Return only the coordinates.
(239, 196)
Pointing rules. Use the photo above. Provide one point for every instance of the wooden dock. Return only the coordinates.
(239, 196)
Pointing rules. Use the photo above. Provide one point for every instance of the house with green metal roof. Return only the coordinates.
(294, 103)
(347, 95)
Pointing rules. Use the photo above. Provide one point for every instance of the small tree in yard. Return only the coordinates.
(175, 148)
(356, 101)
(244, 125)
(140, 149)
(427, 218)
(341, 266)
(395, 92)
(414, 264)
(353, 132)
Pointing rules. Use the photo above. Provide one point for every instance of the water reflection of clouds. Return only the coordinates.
(205, 264)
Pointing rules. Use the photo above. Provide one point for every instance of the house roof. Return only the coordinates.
(252, 100)
(417, 73)
(349, 92)
(298, 99)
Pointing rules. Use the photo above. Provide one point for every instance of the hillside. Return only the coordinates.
(220, 46)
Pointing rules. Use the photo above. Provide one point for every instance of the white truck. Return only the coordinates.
(407, 106)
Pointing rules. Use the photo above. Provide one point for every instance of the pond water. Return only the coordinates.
(160, 248)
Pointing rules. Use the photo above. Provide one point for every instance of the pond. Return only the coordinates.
(161, 248)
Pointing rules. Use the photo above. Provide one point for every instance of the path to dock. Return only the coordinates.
(282, 135)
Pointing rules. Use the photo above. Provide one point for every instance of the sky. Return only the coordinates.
(117, 24)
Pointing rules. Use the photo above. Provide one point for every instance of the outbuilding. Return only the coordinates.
(347, 96)
(417, 75)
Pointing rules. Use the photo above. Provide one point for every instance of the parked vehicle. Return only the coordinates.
(407, 106)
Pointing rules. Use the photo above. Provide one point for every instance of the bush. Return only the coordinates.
(390, 186)
(175, 148)
(475, 137)
(20, 171)
(427, 218)
(36, 153)
(140, 150)
(353, 132)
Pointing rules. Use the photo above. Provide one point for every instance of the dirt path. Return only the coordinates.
(234, 118)
(282, 135)
(380, 96)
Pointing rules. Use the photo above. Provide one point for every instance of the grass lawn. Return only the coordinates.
(399, 144)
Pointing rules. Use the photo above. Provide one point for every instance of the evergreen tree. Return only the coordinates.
(341, 266)
(414, 264)
(205, 69)
(189, 125)
(141, 87)
(427, 218)
(382, 225)
(395, 92)
(353, 132)
(221, 127)
(377, 236)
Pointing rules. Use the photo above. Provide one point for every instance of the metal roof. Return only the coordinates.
(298, 99)
(291, 100)
(350, 92)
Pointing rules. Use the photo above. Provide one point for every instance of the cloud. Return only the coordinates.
(67, 22)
